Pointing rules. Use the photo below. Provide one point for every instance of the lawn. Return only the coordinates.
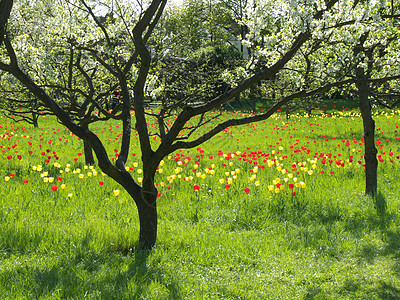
(270, 210)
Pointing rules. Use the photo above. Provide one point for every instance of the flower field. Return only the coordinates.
(273, 209)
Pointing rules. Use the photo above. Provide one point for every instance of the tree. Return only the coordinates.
(361, 51)
(127, 64)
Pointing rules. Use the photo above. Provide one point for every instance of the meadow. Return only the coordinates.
(270, 210)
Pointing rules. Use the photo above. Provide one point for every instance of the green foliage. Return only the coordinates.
(216, 55)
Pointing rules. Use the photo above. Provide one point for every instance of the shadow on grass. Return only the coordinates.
(321, 226)
(387, 291)
(102, 275)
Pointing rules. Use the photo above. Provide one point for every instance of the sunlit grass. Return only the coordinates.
(263, 211)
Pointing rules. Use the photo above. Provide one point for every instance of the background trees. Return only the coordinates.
(72, 61)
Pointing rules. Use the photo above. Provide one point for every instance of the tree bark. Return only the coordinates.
(148, 222)
(89, 158)
(35, 118)
(146, 202)
(371, 163)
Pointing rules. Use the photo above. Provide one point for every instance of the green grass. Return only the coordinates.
(329, 241)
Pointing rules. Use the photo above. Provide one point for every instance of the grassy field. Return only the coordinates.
(271, 210)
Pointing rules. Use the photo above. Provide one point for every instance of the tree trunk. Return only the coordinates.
(146, 202)
(89, 159)
(287, 112)
(371, 163)
(309, 106)
(35, 118)
(87, 149)
(148, 222)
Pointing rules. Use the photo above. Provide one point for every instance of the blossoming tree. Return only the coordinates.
(362, 53)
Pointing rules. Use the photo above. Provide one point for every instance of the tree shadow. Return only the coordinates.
(381, 207)
(87, 276)
(387, 291)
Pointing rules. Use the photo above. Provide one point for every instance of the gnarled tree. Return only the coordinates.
(118, 48)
